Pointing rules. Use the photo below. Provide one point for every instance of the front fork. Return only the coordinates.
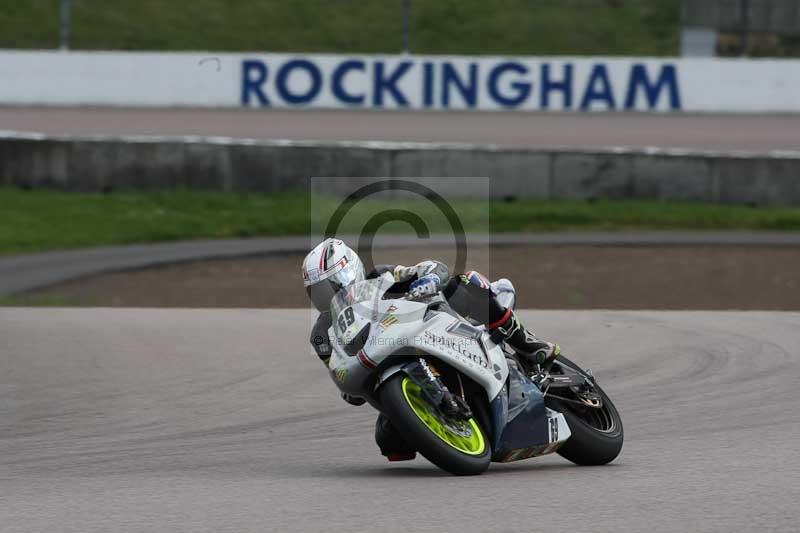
(424, 374)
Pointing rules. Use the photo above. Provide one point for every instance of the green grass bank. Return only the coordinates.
(545, 27)
(41, 220)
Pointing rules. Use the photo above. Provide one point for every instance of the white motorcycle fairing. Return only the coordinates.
(374, 339)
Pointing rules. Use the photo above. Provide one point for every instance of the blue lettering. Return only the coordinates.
(603, 93)
(522, 89)
(548, 85)
(427, 84)
(468, 90)
(254, 74)
(282, 85)
(382, 83)
(338, 76)
(667, 79)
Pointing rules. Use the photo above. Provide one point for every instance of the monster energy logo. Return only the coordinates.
(388, 322)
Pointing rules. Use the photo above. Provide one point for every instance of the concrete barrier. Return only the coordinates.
(98, 163)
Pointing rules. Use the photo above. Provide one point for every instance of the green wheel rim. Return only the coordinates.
(465, 437)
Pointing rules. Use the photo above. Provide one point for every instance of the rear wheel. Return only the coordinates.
(457, 446)
(597, 433)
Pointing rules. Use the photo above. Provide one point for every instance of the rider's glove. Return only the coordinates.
(404, 273)
(425, 286)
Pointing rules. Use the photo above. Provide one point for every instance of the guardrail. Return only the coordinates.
(103, 163)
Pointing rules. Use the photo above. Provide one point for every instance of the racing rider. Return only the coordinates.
(332, 265)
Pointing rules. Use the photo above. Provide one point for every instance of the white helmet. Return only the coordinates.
(329, 267)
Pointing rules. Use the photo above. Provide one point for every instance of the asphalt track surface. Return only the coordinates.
(757, 133)
(210, 420)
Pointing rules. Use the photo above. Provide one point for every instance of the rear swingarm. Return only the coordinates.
(581, 386)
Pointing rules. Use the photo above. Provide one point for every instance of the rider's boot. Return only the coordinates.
(532, 349)
(391, 442)
(353, 400)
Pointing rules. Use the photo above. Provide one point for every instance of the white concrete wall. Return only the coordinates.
(414, 82)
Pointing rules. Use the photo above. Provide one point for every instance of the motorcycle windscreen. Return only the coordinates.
(353, 310)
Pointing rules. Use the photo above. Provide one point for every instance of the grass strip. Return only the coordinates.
(41, 220)
(525, 27)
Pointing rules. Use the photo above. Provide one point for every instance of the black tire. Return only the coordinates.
(417, 434)
(589, 445)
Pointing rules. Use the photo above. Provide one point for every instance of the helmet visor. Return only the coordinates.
(322, 292)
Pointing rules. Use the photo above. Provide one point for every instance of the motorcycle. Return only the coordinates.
(459, 396)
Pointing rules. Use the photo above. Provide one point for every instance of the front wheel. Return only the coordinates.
(457, 446)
